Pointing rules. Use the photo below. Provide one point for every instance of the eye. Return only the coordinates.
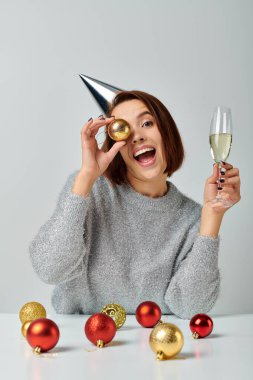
(149, 123)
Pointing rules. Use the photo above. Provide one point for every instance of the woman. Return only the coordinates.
(122, 232)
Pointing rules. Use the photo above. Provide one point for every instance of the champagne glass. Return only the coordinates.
(220, 139)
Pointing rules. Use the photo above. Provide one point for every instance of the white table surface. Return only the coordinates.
(226, 354)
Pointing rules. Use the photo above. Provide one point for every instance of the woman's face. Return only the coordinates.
(144, 131)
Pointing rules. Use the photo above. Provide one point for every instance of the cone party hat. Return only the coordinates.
(102, 92)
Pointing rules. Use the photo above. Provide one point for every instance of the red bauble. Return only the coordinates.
(201, 325)
(148, 313)
(100, 329)
(43, 334)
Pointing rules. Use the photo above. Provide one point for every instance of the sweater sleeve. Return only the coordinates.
(57, 250)
(195, 285)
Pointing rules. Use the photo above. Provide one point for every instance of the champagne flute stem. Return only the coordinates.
(219, 183)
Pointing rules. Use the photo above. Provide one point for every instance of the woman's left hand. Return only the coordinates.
(230, 183)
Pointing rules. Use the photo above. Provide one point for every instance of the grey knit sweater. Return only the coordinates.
(119, 246)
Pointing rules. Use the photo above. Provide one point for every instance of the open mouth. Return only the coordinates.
(146, 158)
(143, 157)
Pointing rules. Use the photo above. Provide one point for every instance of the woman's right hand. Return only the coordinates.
(94, 160)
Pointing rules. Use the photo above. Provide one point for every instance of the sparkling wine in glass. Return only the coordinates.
(220, 139)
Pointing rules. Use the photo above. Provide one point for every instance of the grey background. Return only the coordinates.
(192, 55)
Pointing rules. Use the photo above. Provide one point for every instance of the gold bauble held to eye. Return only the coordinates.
(31, 311)
(166, 340)
(116, 312)
(119, 130)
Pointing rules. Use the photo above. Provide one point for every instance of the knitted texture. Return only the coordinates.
(119, 246)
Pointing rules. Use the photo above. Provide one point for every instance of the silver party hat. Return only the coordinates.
(102, 92)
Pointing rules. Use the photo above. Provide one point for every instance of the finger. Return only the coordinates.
(92, 122)
(228, 190)
(233, 181)
(85, 131)
(94, 128)
(98, 124)
(226, 165)
(232, 172)
(114, 149)
(101, 121)
(213, 178)
(86, 126)
(91, 127)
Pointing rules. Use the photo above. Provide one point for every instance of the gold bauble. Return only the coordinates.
(119, 129)
(166, 340)
(31, 311)
(25, 327)
(116, 312)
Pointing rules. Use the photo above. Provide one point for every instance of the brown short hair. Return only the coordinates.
(173, 146)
